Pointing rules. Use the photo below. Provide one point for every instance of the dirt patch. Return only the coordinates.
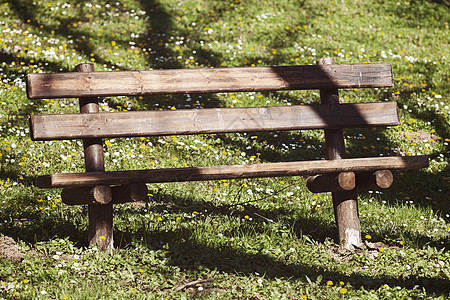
(419, 136)
(9, 249)
(368, 248)
(137, 204)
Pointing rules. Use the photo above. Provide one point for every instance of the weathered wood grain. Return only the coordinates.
(298, 168)
(215, 120)
(127, 83)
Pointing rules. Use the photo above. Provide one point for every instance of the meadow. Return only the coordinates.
(228, 239)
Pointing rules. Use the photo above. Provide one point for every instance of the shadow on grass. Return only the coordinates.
(304, 223)
(160, 31)
(301, 221)
(61, 26)
(189, 254)
(13, 74)
(32, 224)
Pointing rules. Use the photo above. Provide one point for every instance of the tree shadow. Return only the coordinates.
(32, 224)
(189, 254)
(63, 28)
(302, 222)
(160, 31)
(9, 57)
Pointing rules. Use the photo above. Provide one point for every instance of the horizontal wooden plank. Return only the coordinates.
(122, 83)
(215, 120)
(298, 168)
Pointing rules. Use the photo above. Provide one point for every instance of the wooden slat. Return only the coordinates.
(121, 83)
(299, 168)
(150, 123)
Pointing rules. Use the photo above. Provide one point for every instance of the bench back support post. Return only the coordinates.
(101, 214)
(345, 203)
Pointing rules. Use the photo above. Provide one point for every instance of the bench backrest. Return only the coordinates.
(150, 123)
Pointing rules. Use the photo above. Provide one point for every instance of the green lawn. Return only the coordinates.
(229, 239)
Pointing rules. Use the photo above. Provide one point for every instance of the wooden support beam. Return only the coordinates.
(347, 181)
(126, 83)
(213, 120)
(298, 168)
(87, 195)
(130, 193)
(119, 194)
(100, 217)
(345, 203)
(380, 179)
(324, 183)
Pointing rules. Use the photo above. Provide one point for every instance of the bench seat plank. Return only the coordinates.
(213, 120)
(298, 168)
(127, 83)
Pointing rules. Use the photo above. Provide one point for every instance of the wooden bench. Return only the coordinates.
(337, 174)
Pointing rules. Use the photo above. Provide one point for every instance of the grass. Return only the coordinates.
(254, 239)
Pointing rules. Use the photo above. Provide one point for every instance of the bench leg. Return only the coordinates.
(101, 226)
(347, 219)
(100, 216)
(345, 203)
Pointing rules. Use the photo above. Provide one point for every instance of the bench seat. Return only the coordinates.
(297, 168)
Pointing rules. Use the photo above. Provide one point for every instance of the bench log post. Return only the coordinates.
(346, 202)
(101, 214)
